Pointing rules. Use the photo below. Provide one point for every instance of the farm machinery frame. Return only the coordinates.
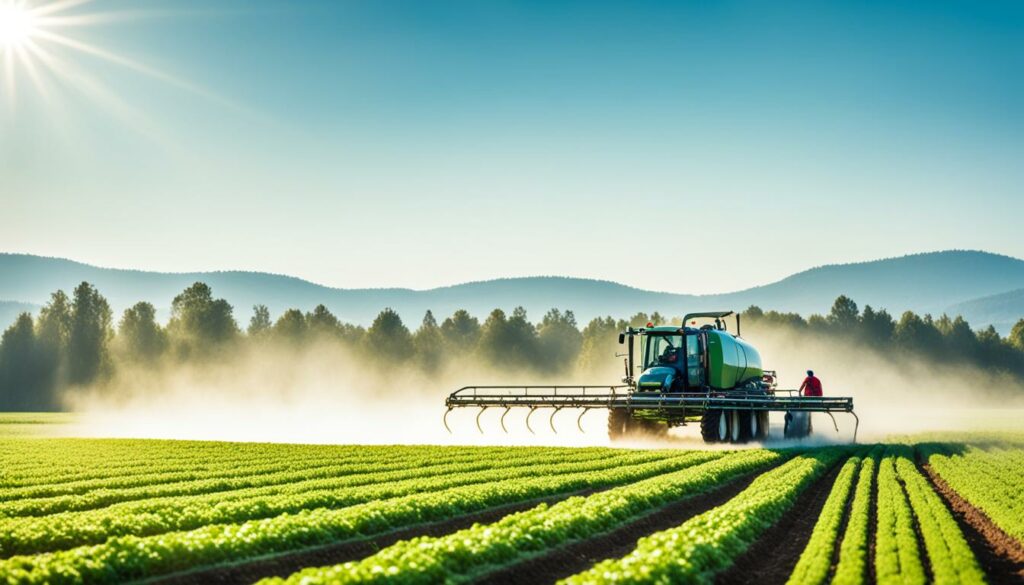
(703, 375)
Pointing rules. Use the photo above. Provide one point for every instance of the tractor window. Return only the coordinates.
(694, 369)
(664, 350)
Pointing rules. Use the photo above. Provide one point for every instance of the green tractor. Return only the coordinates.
(698, 361)
(688, 374)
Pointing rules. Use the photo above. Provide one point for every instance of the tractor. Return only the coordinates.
(694, 374)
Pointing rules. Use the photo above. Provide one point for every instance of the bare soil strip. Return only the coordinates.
(873, 524)
(285, 564)
(772, 558)
(844, 523)
(922, 551)
(570, 559)
(1000, 555)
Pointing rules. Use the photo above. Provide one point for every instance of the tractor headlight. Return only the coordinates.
(668, 382)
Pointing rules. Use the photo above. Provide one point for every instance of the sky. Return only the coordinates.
(682, 146)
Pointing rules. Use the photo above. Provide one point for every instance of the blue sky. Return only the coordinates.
(685, 146)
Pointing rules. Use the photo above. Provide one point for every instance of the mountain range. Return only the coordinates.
(986, 288)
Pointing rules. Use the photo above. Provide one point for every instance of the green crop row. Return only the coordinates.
(361, 466)
(149, 468)
(39, 500)
(951, 560)
(853, 552)
(706, 544)
(897, 557)
(149, 517)
(55, 462)
(131, 557)
(975, 476)
(35, 461)
(816, 559)
(460, 555)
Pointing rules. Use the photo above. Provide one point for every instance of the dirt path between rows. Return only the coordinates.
(282, 565)
(568, 560)
(772, 558)
(1000, 555)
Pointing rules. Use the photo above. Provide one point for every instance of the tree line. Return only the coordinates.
(75, 343)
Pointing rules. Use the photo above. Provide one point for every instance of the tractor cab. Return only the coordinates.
(671, 359)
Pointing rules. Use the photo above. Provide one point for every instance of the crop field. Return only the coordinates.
(944, 509)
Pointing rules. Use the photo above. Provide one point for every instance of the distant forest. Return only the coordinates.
(75, 343)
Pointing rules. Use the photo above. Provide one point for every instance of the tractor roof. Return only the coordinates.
(709, 315)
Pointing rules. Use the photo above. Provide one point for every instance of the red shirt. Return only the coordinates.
(811, 386)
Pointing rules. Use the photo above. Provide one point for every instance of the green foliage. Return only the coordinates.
(813, 566)
(429, 344)
(559, 341)
(90, 335)
(853, 552)
(140, 338)
(93, 510)
(706, 544)
(461, 332)
(950, 341)
(24, 368)
(322, 323)
(1017, 335)
(459, 555)
(388, 339)
(951, 559)
(260, 323)
(600, 344)
(132, 557)
(73, 338)
(199, 323)
(509, 342)
(897, 557)
(844, 315)
(990, 479)
(290, 327)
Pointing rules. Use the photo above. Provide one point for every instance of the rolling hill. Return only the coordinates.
(931, 282)
(1002, 310)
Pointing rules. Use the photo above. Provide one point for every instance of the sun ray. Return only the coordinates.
(133, 65)
(25, 28)
(58, 6)
(98, 92)
(94, 18)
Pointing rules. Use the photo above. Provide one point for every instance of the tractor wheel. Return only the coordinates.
(709, 426)
(735, 426)
(618, 423)
(749, 425)
(762, 426)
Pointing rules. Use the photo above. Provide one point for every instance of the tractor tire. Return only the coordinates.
(762, 426)
(735, 427)
(711, 426)
(618, 423)
(749, 426)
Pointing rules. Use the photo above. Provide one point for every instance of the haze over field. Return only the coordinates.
(602, 158)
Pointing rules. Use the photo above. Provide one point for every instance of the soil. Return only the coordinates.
(772, 558)
(283, 565)
(564, 561)
(1000, 555)
(873, 524)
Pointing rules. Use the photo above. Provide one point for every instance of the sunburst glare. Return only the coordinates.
(33, 52)
(17, 25)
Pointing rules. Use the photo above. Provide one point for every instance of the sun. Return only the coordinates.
(40, 50)
(17, 24)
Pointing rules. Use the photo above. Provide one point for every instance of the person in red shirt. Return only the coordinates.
(811, 385)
